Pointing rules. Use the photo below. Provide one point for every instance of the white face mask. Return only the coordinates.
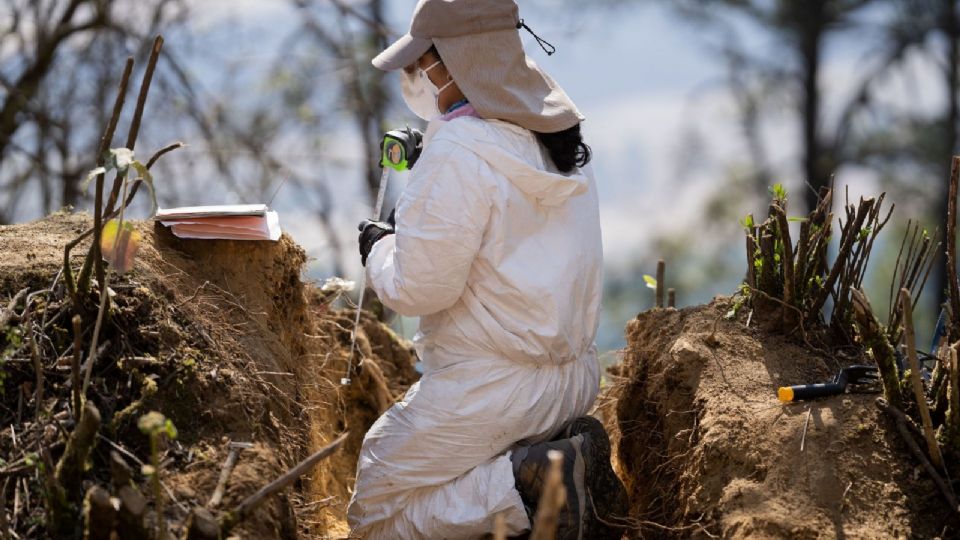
(420, 94)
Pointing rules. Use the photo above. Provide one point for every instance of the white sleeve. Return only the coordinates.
(441, 217)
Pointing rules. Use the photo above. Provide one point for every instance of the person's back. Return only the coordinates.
(535, 278)
(496, 246)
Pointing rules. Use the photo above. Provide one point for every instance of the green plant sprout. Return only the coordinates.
(155, 425)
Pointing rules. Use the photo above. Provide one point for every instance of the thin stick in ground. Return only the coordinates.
(243, 510)
(94, 255)
(551, 500)
(901, 421)
(915, 378)
(661, 272)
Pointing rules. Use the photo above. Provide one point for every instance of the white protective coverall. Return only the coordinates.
(501, 258)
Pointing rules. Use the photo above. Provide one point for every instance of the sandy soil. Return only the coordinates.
(706, 450)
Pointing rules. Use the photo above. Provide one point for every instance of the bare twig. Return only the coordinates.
(661, 272)
(800, 324)
(137, 115)
(9, 314)
(93, 257)
(875, 339)
(787, 259)
(552, 500)
(228, 466)
(4, 526)
(915, 379)
(193, 297)
(849, 236)
(806, 423)
(243, 510)
(499, 527)
(163, 151)
(75, 366)
(901, 421)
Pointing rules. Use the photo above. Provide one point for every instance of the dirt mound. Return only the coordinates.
(226, 340)
(706, 450)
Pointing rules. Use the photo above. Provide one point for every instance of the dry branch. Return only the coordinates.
(849, 235)
(875, 340)
(915, 378)
(786, 260)
(551, 502)
(751, 278)
(72, 464)
(4, 526)
(202, 525)
(137, 116)
(245, 508)
(500, 527)
(661, 273)
(9, 314)
(902, 422)
(232, 456)
(99, 514)
(93, 256)
(130, 515)
(953, 400)
(75, 365)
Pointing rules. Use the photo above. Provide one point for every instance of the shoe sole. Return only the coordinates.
(606, 498)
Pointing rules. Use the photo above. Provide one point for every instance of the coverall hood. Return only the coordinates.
(533, 175)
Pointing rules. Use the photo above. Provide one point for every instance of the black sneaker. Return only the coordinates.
(530, 466)
(606, 496)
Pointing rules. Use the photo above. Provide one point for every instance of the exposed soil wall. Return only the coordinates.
(706, 450)
(225, 339)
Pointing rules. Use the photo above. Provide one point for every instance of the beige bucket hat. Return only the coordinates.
(479, 41)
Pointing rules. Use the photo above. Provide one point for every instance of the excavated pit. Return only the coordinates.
(706, 450)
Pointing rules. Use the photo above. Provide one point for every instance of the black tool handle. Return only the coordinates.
(813, 391)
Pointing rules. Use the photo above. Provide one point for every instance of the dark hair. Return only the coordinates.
(566, 148)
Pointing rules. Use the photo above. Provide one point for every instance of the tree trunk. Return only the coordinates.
(951, 31)
(816, 166)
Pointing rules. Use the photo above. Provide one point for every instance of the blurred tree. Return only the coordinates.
(364, 94)
(916, 146)
(59, 62)
(801, 30)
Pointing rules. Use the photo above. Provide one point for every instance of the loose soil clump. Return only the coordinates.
(706, 450)
(226, 340)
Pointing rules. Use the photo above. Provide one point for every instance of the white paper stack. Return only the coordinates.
(224, 222)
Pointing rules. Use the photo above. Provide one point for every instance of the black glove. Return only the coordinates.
(372, 231)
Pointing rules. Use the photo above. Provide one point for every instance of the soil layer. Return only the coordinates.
(226, 340)
(706, 450)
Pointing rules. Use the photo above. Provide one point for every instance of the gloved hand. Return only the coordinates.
(372, 231)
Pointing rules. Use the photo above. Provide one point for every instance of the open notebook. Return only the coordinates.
(225, 222)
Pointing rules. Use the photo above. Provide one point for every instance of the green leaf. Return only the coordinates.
(798, 219)
(147, 178)
(650, 281)
(778, 192)
(90, 176)
(170, 429)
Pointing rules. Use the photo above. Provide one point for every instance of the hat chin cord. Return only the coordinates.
(544, 44)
